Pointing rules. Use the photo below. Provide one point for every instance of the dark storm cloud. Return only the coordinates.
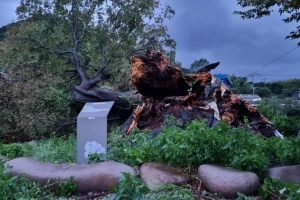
(208, 29)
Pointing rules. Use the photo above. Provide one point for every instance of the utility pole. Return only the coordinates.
(264, 81)
(253, 74)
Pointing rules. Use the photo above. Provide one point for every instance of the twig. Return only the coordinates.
(270, 192)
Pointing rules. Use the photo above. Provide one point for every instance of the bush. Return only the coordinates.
(198, 144)
(277, 189)
(13, 187)
(130, 188)
(289, 126)
(278, 111)
(194, 146)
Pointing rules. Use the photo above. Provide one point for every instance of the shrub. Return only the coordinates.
(275, 188)
(278, 111)
(195, 145)
(130, 188)
(13, 187)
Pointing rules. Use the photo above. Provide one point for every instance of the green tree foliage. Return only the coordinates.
(198, 64)
(263, 91)
(105, 31)
(281, 89)
(240, 85)
(258, 9)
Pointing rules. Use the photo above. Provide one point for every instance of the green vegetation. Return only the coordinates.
(55, 150)
(198, 64)
(279, 89)
(277, 189)
(35, 103)
(283, 113)
(130, 188)
(2, 32)
(13, 187)
(43, 61)
(190, 148)
(236, 148)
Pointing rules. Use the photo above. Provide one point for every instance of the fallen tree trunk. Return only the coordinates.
(166, 91)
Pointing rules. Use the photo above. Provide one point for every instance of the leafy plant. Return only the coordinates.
(241, 196)
(11, 150)
(13, 187)
(65, 189)
(277, 111)
(195, 145)
(130, 188)
(95, 158)
(170, 191)
(278, 189)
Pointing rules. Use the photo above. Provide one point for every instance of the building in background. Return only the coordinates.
(251, 98)
(225, 79)
(296, 95)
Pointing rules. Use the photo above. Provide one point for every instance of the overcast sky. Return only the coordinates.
(208, 29)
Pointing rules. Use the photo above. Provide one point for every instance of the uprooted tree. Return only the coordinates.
(79, 44)
(165, 91)
(58, 33)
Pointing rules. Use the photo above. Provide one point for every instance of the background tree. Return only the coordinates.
(263, 91)
(240, 85)
(258, 9)
(198, 64)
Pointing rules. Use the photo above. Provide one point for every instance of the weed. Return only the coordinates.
(277, 189)
(95, 158)
(65, 189)
(130, 188)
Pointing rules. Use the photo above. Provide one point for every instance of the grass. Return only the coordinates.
(55, 150)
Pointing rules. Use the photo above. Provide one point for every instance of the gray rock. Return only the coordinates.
(286, 173)
(96, 177)
(227, 181)
(155, 175)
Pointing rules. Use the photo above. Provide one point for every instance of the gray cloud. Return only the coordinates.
(208, 29)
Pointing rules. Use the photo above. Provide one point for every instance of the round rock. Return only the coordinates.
(95, 177)
(227, 182)
(155, 175)
(286, 173)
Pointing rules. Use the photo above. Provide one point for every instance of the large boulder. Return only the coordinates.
(286, 173)
(155, 175)
(95, 177)
(227, 182)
